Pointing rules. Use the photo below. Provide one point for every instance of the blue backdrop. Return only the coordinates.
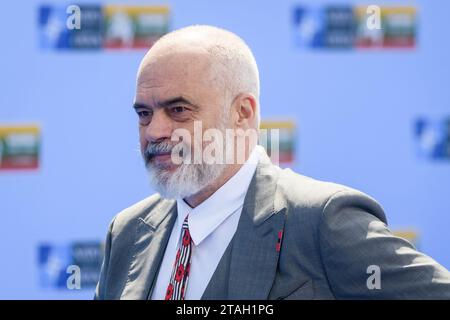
(355, 113)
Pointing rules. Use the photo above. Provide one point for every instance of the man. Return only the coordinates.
(241, 229)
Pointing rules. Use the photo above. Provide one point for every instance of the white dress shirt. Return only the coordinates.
(212, 225)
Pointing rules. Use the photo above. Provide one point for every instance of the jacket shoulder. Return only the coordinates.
(318, 196)
(139, 210)
(307, 191)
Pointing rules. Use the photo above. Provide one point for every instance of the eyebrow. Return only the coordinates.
(166, 103)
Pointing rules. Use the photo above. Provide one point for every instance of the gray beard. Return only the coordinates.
(185, 181)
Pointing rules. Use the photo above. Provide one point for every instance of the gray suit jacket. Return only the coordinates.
(331, 235)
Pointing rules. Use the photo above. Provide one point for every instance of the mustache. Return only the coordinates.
(164, 148)
(154, 149)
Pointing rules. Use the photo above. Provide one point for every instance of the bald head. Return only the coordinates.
(220, 57)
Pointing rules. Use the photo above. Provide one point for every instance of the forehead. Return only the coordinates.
(179, 74)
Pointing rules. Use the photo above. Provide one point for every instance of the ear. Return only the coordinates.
(245, 107)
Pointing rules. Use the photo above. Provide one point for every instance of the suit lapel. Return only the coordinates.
(254, 256)
(152, 236)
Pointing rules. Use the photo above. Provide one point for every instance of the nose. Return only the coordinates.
(159, 128)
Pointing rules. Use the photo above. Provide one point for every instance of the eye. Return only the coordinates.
(143, 114)
(178, 109)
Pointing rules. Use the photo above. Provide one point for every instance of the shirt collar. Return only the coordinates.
(208, 215)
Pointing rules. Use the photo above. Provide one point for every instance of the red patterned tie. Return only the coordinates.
(181, 267)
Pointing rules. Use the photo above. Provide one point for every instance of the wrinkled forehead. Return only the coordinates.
(177, 74)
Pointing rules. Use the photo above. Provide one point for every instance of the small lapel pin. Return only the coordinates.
(280, 236)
